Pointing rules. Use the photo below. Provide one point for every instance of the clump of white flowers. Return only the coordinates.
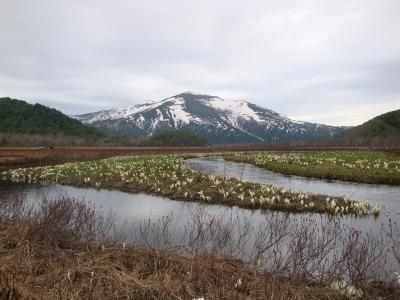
(397, 274)
(347, 290)
(376, 210)
(238, 284)
(166, 175)
(353, 160)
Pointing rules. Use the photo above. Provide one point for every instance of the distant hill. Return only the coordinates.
(219, 121)
(386, 125)
(17, 116)
(381, 131)
(178, 138)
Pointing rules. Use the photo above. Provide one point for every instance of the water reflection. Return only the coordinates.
(150, 213)
(383, 195)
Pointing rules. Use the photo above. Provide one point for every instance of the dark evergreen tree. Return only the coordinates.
(3, 142)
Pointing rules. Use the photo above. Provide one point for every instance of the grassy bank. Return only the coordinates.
(356, 166)
(166, 176)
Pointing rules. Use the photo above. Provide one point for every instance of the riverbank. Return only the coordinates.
(166, 176)
(354, 166)
(63, 250)
(40, 270)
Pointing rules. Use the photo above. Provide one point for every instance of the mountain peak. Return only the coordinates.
(219, 120)
(188, 95)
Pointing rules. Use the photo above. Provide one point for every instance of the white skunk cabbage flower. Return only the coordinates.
(347, 290)
(398, 277)
(238, 283)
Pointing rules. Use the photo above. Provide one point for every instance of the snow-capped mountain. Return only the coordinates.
(218, 120)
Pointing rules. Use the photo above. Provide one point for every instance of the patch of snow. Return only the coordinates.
(234, 109)
(140, 122)
(126, 112)
(179, 114)
(298, 122)
(157, 119)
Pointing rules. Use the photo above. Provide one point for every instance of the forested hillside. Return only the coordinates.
(17, 116)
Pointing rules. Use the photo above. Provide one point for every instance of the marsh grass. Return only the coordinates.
(356, 166)
(167, 176)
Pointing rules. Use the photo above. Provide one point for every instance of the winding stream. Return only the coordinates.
(136, 208)
(141, 206)
(384, 195)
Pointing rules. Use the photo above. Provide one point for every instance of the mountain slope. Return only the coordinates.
(17, 116)
(219, 121)
(175, 138)
(385, 125)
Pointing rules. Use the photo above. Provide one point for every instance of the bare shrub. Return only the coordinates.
(153, 235)
(310, 248)
(15, 206)
(393, 233)
(298, 250)
(64, 220)
(61, 220)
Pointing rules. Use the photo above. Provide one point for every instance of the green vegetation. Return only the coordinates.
(167, 176)
(17, 116)
(178, 138)
(381, 126)
(23, 124)
(3, 142)
(358, 166)
(380, 132)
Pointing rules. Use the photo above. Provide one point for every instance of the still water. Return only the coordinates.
(141, 208)
(146, 207)
(386, 196)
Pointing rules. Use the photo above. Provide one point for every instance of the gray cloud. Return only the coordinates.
(335, 62)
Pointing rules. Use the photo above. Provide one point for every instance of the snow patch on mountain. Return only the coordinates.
(179, 115)
(219, 120)
(235, 108)
(114, 114)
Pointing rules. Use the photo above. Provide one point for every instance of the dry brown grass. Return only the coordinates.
(34, 270)
(54, 249)
(14, 157)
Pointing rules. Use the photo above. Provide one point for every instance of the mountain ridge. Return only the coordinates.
(384, 125)
(18, 116)
(218, 120)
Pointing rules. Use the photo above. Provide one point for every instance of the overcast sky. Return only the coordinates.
(333, 62)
